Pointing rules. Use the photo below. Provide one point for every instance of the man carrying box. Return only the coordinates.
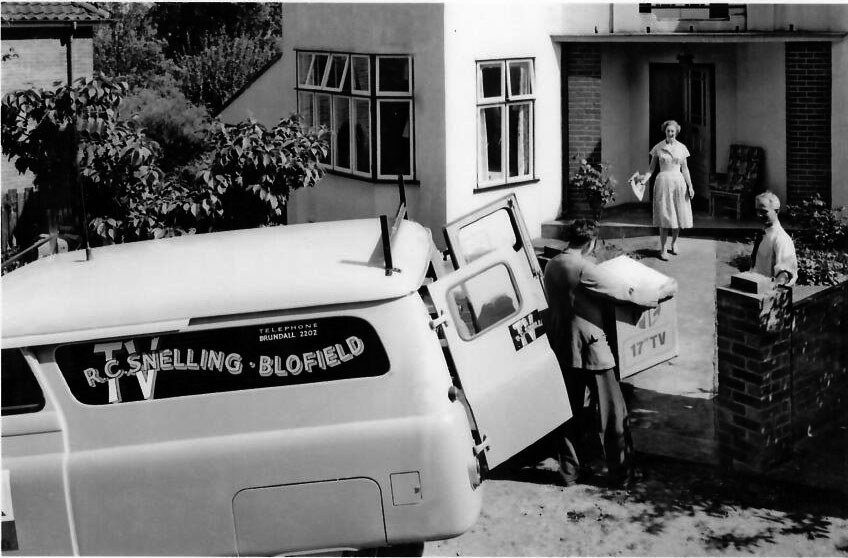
(578, 289)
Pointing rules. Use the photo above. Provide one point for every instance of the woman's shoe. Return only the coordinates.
(672, 251)
(663, 256)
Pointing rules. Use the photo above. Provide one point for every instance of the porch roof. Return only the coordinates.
(724, 37)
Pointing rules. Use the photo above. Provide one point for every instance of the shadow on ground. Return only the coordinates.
(667, 489)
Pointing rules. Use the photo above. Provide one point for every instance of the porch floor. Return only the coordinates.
(630, 220)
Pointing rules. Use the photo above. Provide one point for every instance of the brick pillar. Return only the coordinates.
(754, 378)
(582, 113)
(808, 107)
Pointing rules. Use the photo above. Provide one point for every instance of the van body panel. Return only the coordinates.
(283, 518)
(221, 393)
(172, 466)
(193, 276)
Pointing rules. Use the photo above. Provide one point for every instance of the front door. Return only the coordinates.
(697, 119)
(685, 93)
(491, 311)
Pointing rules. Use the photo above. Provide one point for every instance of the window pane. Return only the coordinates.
(394, 138)
(361, 74)
(489, 144)
(520, 78)
(483, 301)
(323, 118)
(362, 139)
(520, 139)
(393, 74)
(486, 235)
(342, 132)
(491, 80)
(338, 63)
(316, 77)
(304, 65)
(20, 390)
(305, 108)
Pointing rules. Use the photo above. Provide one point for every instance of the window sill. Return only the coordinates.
(489, 188)
(342, 174)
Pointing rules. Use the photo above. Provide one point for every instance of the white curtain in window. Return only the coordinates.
(482, 147)
(521, 165)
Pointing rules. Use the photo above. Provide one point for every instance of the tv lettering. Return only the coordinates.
(652, 342)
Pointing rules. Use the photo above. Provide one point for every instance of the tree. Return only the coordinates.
(244, 179)
(255, 170)
(130, 49)
(221, 67)
(184, 25)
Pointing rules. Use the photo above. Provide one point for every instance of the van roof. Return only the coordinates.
(159, 285)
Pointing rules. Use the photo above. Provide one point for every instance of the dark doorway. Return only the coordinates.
(686, 93)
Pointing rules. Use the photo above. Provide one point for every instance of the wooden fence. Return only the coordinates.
(13, 206)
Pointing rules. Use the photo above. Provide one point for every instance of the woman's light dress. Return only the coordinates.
(672, 207)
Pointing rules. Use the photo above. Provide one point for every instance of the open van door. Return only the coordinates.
(491, 314)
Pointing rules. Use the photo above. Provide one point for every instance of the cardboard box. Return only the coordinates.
(643, 337)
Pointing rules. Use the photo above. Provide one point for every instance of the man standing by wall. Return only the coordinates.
(774, 251)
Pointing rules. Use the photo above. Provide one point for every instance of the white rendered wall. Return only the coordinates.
(503, 31)
(414, 29)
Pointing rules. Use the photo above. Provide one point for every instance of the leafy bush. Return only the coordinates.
(595, 179)
(178, 126)
(255, 169)
(821, 267)
(817, 225)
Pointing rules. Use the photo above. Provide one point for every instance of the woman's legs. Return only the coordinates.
(663, 237)
(674, 234)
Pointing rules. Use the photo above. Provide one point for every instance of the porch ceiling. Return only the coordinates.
(741, 37)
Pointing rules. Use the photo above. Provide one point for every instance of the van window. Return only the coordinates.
(485, 235)
(483, 300)
(20, 390)
(248, 357)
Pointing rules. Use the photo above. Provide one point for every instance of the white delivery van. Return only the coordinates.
(318, 387)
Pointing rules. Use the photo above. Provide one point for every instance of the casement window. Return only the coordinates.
(366, 101)
(505, 121)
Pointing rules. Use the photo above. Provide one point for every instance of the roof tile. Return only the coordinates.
(50, 12)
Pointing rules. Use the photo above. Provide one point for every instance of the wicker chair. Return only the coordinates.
(741, 182)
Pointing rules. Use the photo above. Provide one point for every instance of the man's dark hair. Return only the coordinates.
(582, 231)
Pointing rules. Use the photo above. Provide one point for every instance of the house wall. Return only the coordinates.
(415, 29)
(503, 31)
(40, 61)
(759, 114)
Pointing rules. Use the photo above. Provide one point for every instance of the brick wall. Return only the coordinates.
(582, 110)
(41, 60)
(820, 359)
(808, 119)
(782, 368)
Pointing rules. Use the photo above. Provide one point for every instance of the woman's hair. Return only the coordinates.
(769, 199)
(668, 123)
(582, 231)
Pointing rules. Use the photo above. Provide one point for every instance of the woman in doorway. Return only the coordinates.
(673, 190)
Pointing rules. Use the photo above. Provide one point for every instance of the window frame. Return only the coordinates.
(469, 336)
(505, 101)
(374, 97)
(31, 407)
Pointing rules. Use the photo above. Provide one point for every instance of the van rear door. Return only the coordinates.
(491, 311)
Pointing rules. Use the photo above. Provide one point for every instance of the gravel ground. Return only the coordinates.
(677, 509)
